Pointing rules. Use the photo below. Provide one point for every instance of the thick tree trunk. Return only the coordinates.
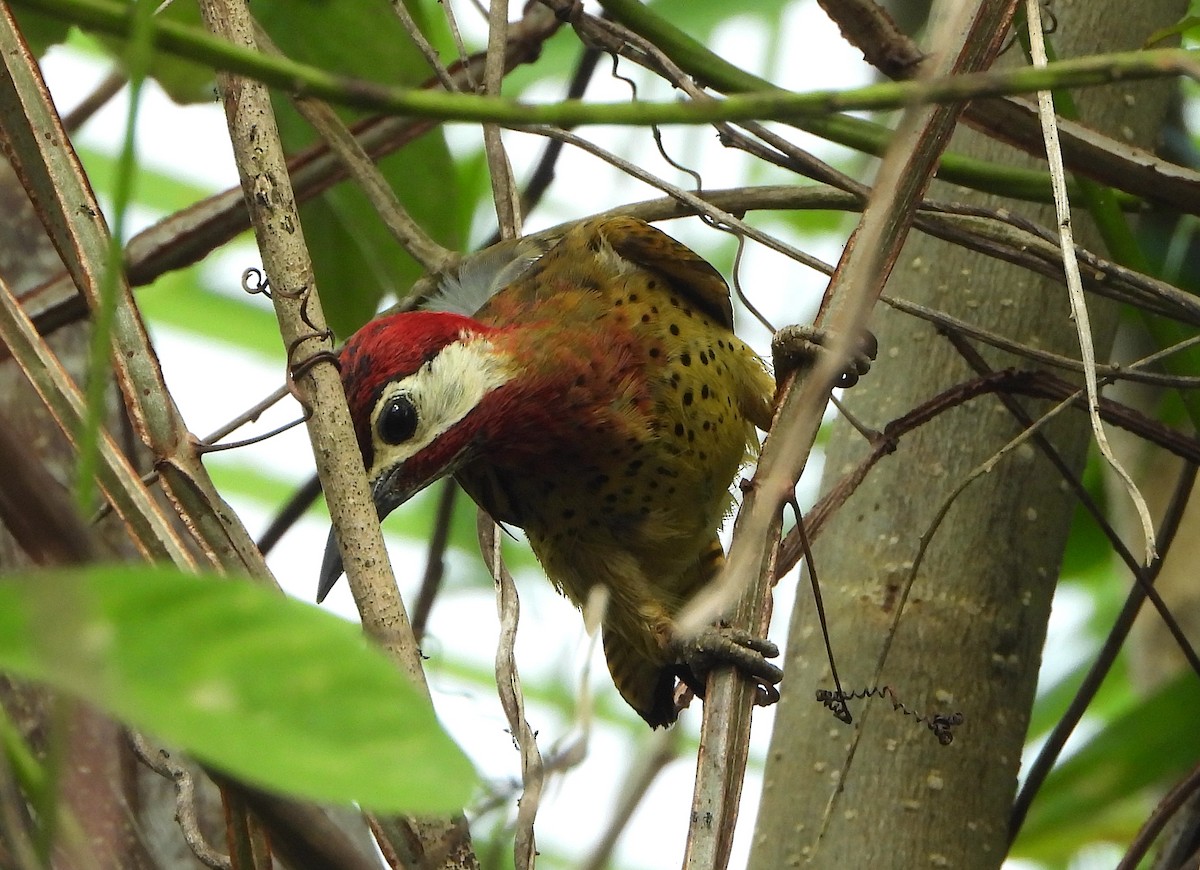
(883, 793)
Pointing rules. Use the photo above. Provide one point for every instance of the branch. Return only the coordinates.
(749, 573)
(305, 80)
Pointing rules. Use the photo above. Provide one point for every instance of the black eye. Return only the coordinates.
(398, 421)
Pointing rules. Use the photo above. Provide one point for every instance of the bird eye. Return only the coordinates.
(398, 421)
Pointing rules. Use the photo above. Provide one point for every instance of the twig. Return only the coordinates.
(108, 88)
(435, 563)
(416, 242)
(423, 45)
(691, 200)
(1184, 790)
(508, 683)
(1052, 747)
(504, 188)
(185, 800)
(109, 17)
(1062, 207)
(661, 750)
(1111, 373)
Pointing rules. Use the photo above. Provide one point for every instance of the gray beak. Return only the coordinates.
(331, 567)
(387, 498)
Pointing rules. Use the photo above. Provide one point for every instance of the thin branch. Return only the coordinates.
(1184, 790)
(1052, 747)
(1111, 373)
(185, 800)
(508, 683)
(435, 563)
(504, 188)
(432, 257)
(99, 97)
(1079, 310)
(423, 45)
(1114, 163)
(692, 200)
(305, 80)
(661, 751)
(150, 529)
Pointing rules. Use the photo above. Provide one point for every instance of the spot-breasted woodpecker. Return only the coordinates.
(600, 401)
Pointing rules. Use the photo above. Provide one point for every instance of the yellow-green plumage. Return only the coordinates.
(636, 408)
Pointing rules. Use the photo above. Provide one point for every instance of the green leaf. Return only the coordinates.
(181, 299)
(1097, 791)
(271, 690)
(40, 31)
(356, 260)
(183, 80)
(1187, 26)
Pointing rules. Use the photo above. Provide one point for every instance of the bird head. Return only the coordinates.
(419, 386)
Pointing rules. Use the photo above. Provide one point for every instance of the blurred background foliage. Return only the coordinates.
(1124, 756)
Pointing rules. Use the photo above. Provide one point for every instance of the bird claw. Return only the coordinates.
(795, 347)
(719, 647)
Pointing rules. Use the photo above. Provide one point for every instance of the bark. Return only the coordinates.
(972, 630)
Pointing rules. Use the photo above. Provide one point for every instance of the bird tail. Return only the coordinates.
(648, 686)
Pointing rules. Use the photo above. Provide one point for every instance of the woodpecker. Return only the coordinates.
(600, 401)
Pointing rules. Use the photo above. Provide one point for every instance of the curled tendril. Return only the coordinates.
(941, 724)
(254, 282)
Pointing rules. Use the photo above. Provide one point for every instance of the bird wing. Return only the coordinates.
(653, 249)
(484, 274)
(574, 256)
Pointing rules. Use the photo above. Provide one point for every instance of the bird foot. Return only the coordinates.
(795, 348)
(717, 647)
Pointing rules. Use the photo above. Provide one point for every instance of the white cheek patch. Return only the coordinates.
(443, 391)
